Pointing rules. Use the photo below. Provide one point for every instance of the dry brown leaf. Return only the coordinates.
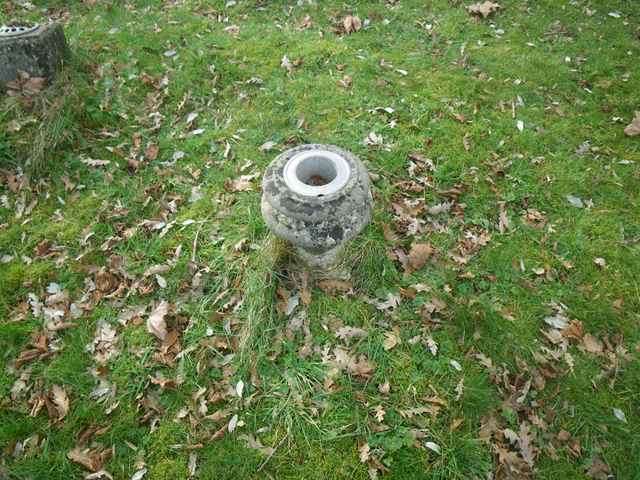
(152, 152)
(156, 269)
(599, 470)
(104, 345)
(156, 323)
(106, 281)
(633, 128)
(380, 413)
(347, 333)
(503, 222)
(391, 339)
(20, 386)
(384, 388)
(255, 444)
(164, 383)
(26, 85)
(233, 30)
(305, 291)
(305, 23)
(361, 367)
(488, 426)
(592, 344)
(34, 85)
(346, 81)
(526, 443)
(412, 412)
(60, 400)
(87, 458)
(241, 184)
(419, 254)
(600, 262)
(351, 24)
(389, 234)
(392, 301)
(364, 452)
(485, 8)
(573, 330)
(331, 286)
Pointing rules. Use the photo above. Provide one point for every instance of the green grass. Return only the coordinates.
(569, 74)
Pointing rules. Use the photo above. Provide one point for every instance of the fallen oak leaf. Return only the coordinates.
(485, 8)
(156, 324)
(592, 344)
(574, 330)
(91, 459)
(286, 63)
(419, 254)
(389, 234)
(558, 321)
(152, 152)
(241, 184)
(379, 413)
(599, 470)
(351, 24)
(392, 301)
(347, 332)
(412, 412)
(340, 286)
(600, 262)
(95, 163)
(633, 128)
(61, 401)
(432, 345)
(363, 452)
(268, 146)
(526, 441)
(34, 85)
(99, 475)
(503, 221)
(255, 444)
(156, 269)
(391, 339)
(346, 81)
(361, 367)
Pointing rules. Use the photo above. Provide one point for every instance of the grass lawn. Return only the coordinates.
(130, 196)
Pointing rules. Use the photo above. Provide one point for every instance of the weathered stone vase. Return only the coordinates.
(38, 50)
(317, 198)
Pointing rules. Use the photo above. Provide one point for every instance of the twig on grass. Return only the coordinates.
(266, 460)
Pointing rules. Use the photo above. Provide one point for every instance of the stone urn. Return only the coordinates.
(38, 50)
(317, 198)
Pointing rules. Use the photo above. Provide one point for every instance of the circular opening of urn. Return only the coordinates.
(316, 173)
(17, 30)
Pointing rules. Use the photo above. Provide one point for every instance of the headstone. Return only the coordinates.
(38, 50)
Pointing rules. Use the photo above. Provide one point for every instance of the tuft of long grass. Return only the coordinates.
(54, 120)
(258, 313)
